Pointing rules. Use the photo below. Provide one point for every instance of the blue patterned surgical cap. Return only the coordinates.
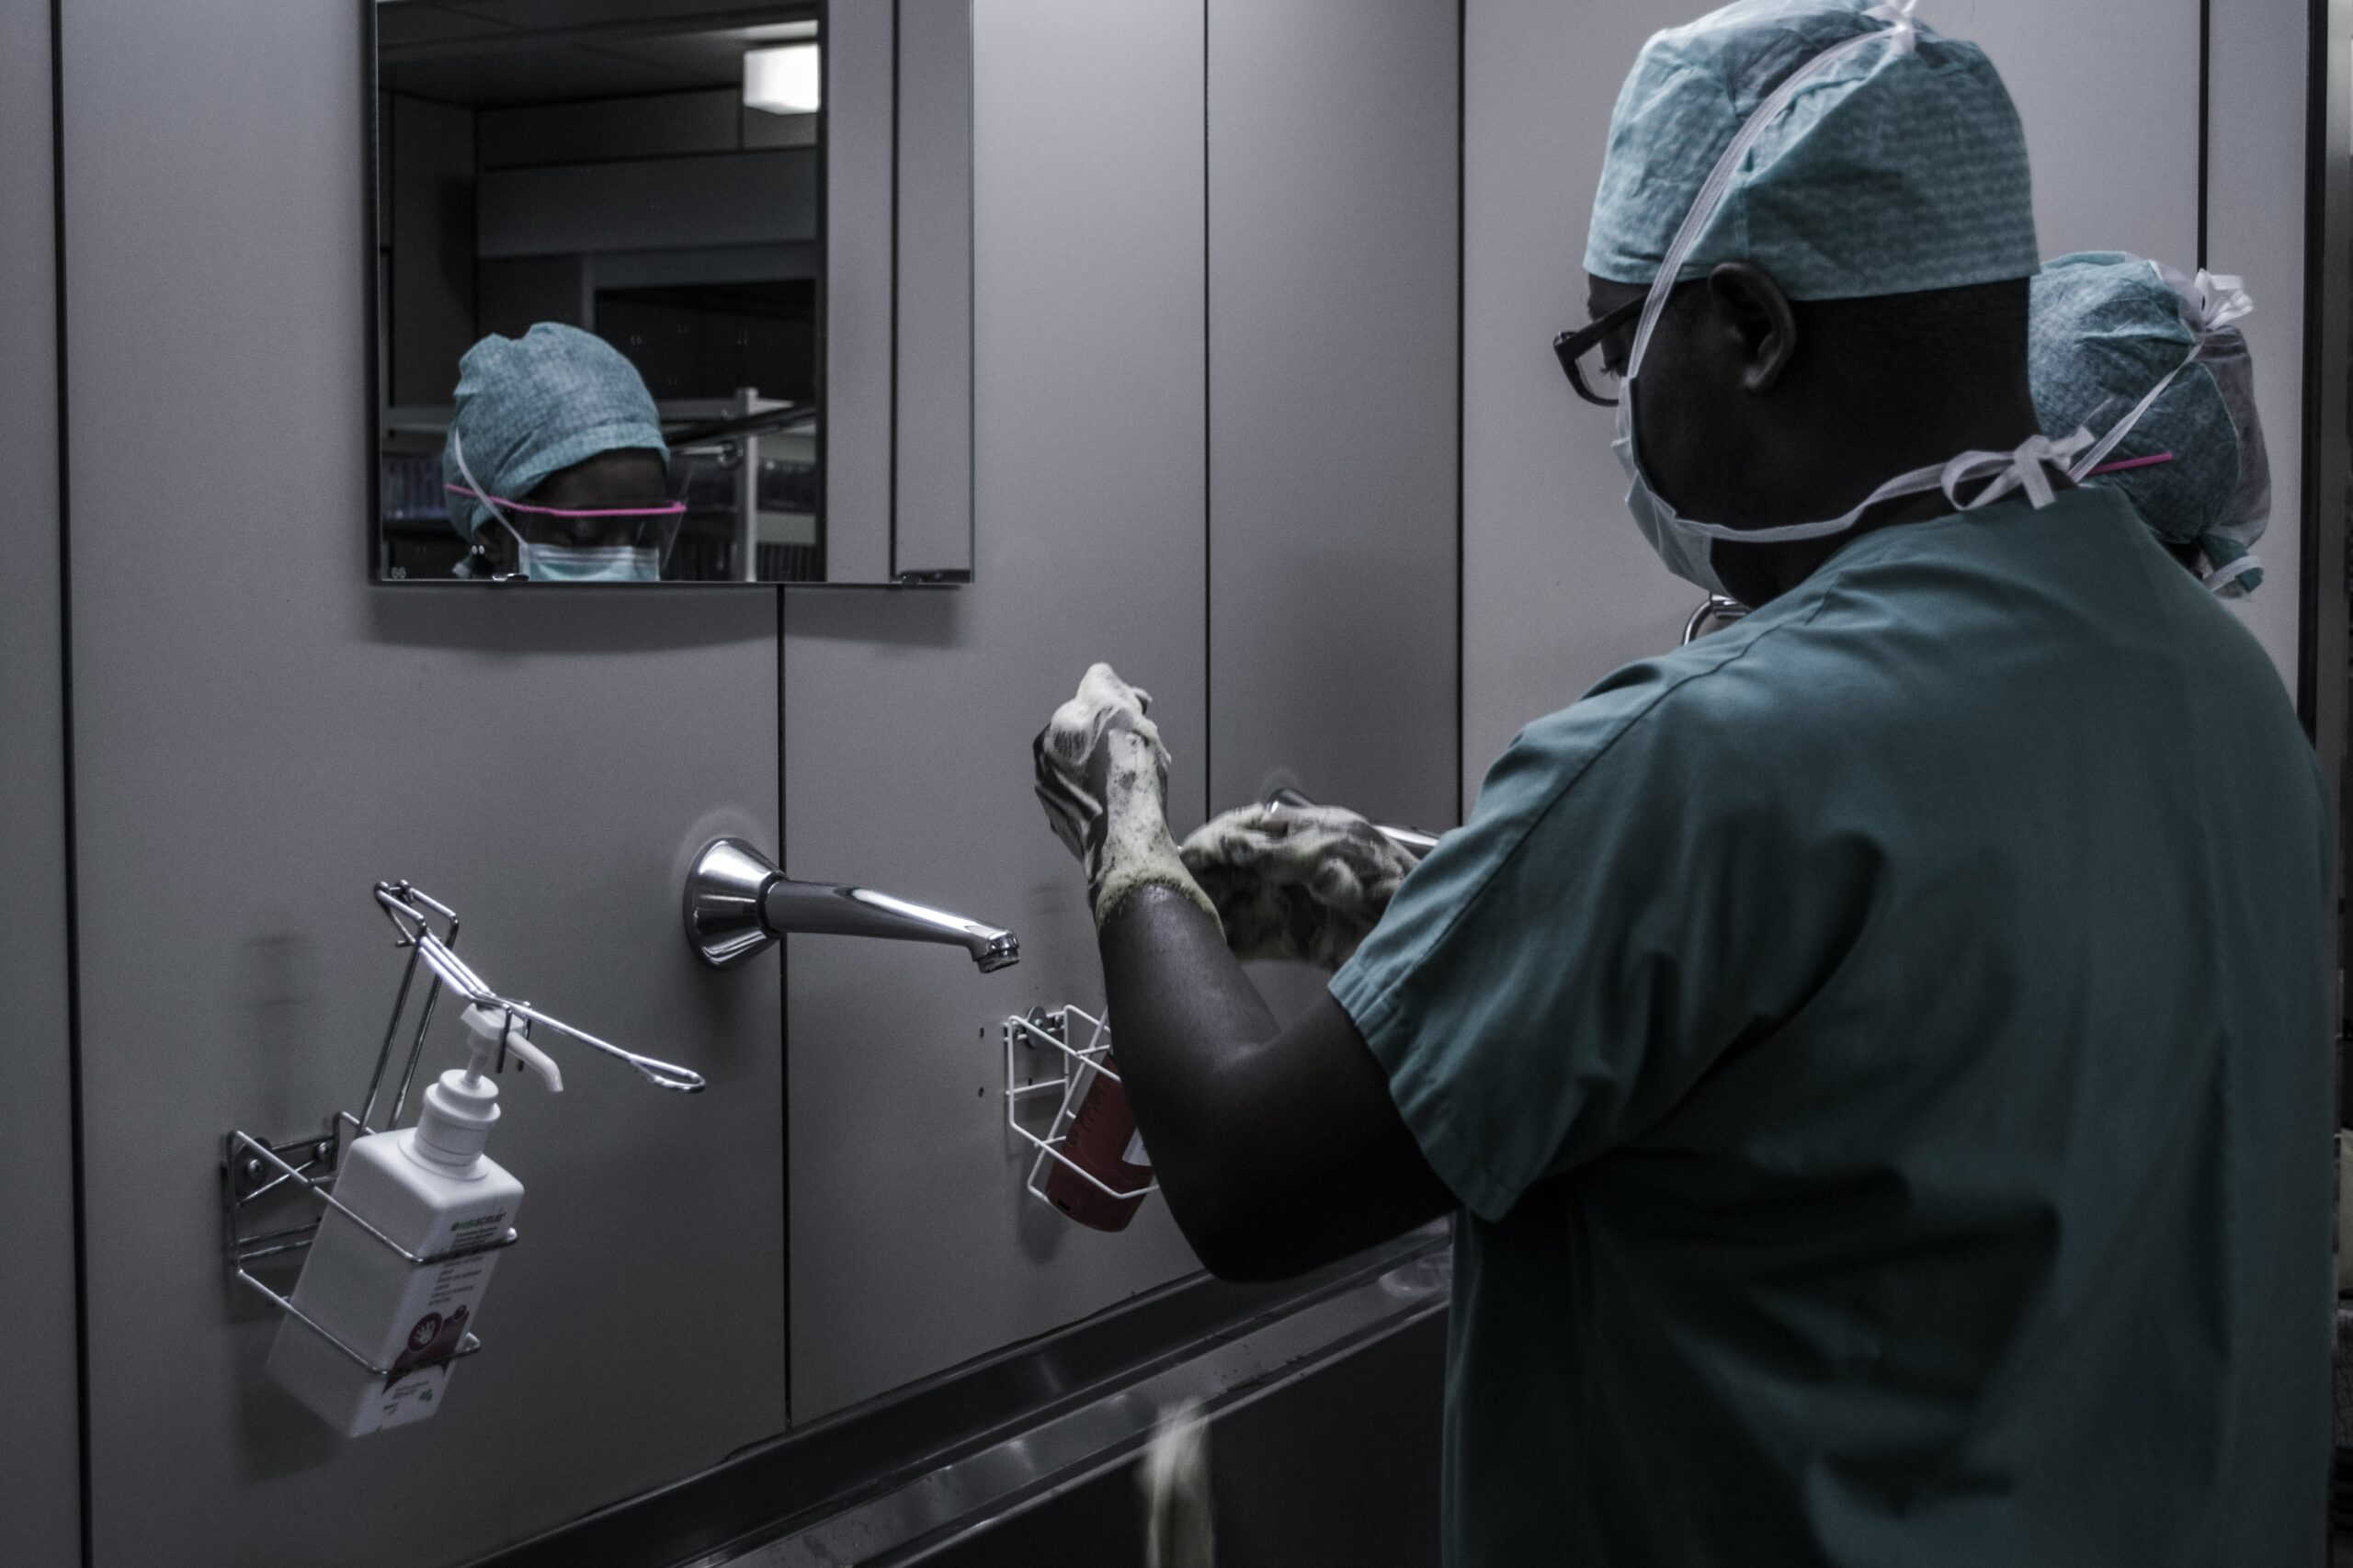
(1898, 169)
(531, 406)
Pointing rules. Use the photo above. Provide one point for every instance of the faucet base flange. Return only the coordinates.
(723, 902)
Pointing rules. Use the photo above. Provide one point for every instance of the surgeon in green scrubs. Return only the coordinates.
(1878, 1055)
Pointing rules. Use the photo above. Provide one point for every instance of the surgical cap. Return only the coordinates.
(2106, 329)
(531, 406)
(1897, 170)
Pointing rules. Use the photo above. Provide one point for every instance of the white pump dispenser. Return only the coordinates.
(432, 1190)
(461, 1107)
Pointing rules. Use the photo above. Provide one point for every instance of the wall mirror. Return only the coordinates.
(672, 291)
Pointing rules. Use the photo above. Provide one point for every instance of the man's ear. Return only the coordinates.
(1759, 317)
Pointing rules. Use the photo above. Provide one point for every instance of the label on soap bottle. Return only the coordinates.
(407, 1396)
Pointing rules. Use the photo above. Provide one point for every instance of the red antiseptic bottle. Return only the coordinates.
(1103, 1141)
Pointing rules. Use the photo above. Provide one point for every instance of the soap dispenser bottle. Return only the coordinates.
(432, 1190)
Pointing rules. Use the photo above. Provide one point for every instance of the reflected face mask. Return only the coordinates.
(592, 563)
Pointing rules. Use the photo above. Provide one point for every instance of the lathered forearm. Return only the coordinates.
(1137, 851)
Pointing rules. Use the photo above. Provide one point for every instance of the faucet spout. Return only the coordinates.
(839, 910)
(738, 903)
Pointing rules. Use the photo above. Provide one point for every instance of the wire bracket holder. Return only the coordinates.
(1078, 1065)
(291, 1180)
(295, 1174)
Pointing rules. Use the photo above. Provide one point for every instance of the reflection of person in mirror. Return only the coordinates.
(555, 465)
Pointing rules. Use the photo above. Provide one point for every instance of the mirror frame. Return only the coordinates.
(898, 504)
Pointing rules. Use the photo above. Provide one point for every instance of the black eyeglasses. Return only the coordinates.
(1581, 356)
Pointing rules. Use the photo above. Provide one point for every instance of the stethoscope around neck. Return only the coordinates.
(1715, 612)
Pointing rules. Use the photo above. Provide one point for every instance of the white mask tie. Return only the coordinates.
(2024, 469)
(1905, 31)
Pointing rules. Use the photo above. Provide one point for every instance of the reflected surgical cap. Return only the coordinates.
(1897, 170)
(532, 406)
(2106, 329)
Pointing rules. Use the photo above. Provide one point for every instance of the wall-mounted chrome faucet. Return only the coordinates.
(738, 902)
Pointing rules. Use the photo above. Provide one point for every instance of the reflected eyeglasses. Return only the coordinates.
(1585, 360)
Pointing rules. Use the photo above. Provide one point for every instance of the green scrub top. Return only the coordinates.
(1882, 1051)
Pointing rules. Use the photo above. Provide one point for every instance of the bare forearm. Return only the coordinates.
(1187, 1018)
(1278, 1149)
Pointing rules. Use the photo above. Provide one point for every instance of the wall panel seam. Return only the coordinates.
(2319, 442)
(897, 111)
(1462, 227)
(823, 358)
(1209, 458)
(71, 912)
(2205, 120)
(784, 1038)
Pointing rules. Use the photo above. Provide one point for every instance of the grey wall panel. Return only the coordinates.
(259, 734)
(2111, 113)
(860, 119)
(1558, 587)
(2255, 227)
(40, 1418)
(933, 521)
(1331, 156)
(908, 715)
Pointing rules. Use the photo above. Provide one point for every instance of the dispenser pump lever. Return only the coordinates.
(497, 1031)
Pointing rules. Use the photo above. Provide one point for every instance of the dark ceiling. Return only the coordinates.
(503, 53)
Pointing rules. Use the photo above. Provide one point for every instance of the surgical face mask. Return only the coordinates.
(2211, 307)
(591, 564)
(1686, 544)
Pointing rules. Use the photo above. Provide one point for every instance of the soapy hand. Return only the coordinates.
(1301, 883)
(1067, 749)
(1102, 775)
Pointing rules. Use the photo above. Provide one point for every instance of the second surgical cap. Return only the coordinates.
(1900, 169)
(2106, 329)
(532, 406)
